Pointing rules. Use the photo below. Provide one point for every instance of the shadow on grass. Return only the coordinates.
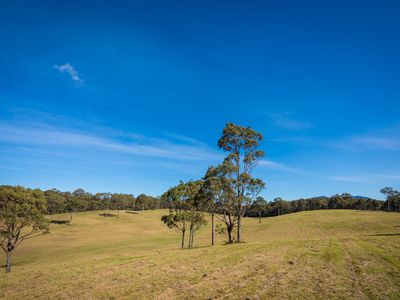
(383, 234)
(13, 264)
(107, 215)
(60, 222)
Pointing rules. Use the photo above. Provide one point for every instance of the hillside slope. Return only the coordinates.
(318, 254)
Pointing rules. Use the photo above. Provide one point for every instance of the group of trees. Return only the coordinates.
(185, 210)
(79, 200)
(262, 208)
(226, 191)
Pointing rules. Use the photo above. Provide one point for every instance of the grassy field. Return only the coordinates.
(310, 255)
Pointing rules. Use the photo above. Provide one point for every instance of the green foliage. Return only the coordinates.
(345, 201)
(185, 209)
(242, 145)
(21, 217)
(79, 200)
(176, 220)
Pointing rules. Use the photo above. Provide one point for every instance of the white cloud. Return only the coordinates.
(69, 69)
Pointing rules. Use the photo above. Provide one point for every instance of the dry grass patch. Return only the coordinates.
(310, 255)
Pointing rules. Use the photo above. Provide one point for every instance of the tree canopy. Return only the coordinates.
(21, 217)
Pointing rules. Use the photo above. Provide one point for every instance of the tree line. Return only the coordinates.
(262, 208)
(80, 200)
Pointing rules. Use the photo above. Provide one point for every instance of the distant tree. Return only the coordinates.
(280, 206)
(140, 202)
(21, 217)
(334, 201)
(76, 201)
(242, 145)
(146, 202)
(120, 202)
(392, 198)
(260, 206)
(55, 201)
(100, 201)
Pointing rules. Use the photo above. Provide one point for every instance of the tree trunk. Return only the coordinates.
(230, 239)
(388, 206)
(259, 216)
(212, 229)
(238, 230)
(70, 218)
(8, 262)
(191, 238)
(183, 238)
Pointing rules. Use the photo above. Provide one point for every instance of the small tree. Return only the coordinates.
(194, 204)
(185, 210)
(220, 195)
(178, 213)
(21, 217)
(179, 221)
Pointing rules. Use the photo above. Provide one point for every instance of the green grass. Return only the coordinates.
(334, 254)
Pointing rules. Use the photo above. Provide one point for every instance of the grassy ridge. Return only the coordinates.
(317, 254)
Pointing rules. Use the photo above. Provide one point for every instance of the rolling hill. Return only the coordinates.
(338, 254)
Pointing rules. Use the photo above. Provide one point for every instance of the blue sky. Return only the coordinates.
(132, 96)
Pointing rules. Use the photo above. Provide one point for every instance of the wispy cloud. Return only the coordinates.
(386, 139)
(349, 178)
(38, 134)
(273, 165)
(287, 121)
(369, 178)
(173, 147)
(69, 69)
